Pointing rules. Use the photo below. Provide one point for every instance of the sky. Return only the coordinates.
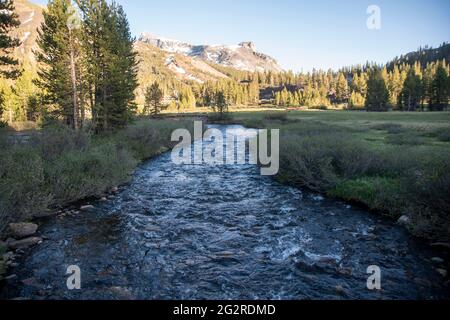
(300, 35)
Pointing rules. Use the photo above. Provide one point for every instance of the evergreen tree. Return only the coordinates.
(341, 89)
(356, 101)
(440, 89)
(111, 63)
(412, 91)
(8, 64)
(377, 93)
(9, 20)
(58, 49)
(395, 86)
(221, 104)
(153, 98)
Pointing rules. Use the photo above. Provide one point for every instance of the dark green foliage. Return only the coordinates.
(377, 93)
(440, 90)
(278, 116)
(55, 42)
(412, 92)
(430, 203)
(220, 104)
(153, 98)
(88, 63)
(9, 20)
(111, 61)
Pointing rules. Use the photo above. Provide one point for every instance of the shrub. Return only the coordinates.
(391, 128)
(278, 116)
(377, 193)
(56, 140)
(430, 201)
(442, 134)
(23, 190)
(77, 174)
(405, 139)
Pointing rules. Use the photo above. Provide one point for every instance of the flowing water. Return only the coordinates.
(224, 232)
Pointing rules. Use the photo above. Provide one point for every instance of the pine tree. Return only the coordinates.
(221, 104)
(341, 89)
(153, 98)
(412, 91)
(8, 64)
(356, 101)
(57, 42)
(395, 86)
(111, 63)
(440, 89)
(377, 93)
(9, 20)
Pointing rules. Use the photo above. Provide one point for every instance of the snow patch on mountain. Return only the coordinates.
(242, 56)
(30, 18)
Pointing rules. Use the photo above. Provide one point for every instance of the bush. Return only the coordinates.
(318, 158)
(59, 166)
(442, 134)
(377, 193)
(76, 175)
(430, 201)
(405, 139)
(391, 128)
(278, 116)
(146, 139)
(23, 190)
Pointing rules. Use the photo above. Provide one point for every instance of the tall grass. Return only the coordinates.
(404, 172)
(59, 166)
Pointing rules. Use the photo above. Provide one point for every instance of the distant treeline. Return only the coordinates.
(417, 80)
(87, 72)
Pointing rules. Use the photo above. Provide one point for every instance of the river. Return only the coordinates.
(224, 232)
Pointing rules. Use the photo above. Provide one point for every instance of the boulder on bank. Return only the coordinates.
(404, 221)
(25, 243)
(87, 208)
(22, 230)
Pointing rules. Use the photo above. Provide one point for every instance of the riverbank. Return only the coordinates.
(396, 164)
(54, 167)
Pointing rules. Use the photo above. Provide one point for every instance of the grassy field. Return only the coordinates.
(393, 163)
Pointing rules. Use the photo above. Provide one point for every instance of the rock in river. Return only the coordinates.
(23, 230)
(404, 221)
(25, 243)
(87, 208)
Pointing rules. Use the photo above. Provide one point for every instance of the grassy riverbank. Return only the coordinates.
(393, 163)
(55, 166)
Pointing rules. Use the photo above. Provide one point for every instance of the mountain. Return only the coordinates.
(423, 55)
(162, 64)
(30, 16)
(242, 56)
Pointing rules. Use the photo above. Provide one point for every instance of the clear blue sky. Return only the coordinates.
(301, 35)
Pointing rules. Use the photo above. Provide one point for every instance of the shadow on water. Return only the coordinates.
(224, 232)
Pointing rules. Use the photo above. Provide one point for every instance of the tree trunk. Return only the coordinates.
(74, 84)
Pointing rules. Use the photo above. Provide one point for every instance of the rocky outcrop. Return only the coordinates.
(242, 56)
